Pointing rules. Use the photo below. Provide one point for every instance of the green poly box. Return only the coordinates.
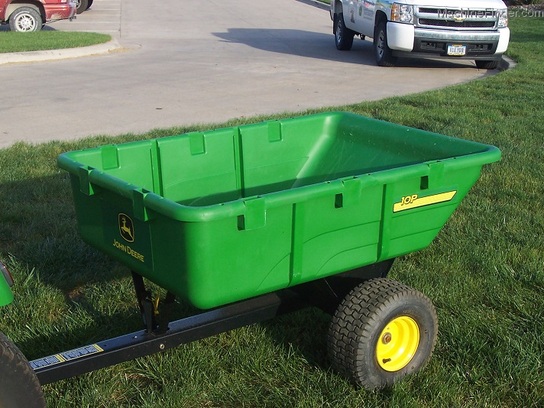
(228, 214)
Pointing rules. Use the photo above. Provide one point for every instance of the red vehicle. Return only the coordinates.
(31, 15)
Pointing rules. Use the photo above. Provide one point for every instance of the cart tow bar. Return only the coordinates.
(142, 343)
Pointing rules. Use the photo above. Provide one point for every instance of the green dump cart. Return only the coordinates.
(311, 209)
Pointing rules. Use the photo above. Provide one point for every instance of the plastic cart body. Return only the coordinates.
(229, 214)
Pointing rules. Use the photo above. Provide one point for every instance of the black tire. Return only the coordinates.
(382, 331)
(343, 36)
(484, 64)
(82, 5)
(25, 20)
(90, 4)
(382, 52)
(19, 386)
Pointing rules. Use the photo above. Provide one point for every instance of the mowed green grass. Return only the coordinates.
(484, 272)
(48, 40)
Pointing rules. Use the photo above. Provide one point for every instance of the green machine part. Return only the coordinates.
(6, 295)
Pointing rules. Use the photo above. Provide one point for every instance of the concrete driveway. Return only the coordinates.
(183, 63)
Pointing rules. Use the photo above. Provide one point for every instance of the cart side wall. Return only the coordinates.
(221, 261)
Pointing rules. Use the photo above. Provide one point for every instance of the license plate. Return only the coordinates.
(457, 50)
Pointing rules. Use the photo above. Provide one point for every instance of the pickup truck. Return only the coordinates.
(476, 30)
(31, 15)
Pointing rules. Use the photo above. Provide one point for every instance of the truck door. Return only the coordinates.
(350, 10)
(367, 12)
(360, 16)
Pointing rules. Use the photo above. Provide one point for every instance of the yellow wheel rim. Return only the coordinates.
(397, 344)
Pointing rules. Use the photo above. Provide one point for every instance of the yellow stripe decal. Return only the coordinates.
(414, 201)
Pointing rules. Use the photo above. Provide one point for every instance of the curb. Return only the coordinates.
(506, 63)
(55, 55)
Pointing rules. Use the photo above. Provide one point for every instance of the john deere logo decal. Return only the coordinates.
(126, 227)
(126, 230)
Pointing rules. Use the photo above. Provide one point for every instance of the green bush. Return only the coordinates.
(522, 2)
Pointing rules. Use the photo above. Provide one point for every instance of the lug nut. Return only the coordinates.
(386, 339)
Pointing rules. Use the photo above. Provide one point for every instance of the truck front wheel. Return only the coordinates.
(19, 386)
(384, 55)
(343, 36)
(382, 331)
(25, 19)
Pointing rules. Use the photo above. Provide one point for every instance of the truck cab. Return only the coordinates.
(476, 30)
(31, 15)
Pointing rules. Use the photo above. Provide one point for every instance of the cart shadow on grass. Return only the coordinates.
(39, 241)
(38, 230)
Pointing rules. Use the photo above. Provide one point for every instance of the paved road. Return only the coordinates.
(185, 63)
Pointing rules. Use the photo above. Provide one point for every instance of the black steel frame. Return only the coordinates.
(142, 343)
(160, 334)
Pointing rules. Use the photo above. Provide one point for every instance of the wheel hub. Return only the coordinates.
(381, 44)
(397, 344)
(25, 23)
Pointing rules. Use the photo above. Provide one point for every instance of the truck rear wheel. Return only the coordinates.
(382, 331)
(19, 386)
(25, 19)
(343, 36)
(382, 52)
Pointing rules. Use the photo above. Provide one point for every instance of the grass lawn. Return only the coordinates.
(48, 40)
(484, 272)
